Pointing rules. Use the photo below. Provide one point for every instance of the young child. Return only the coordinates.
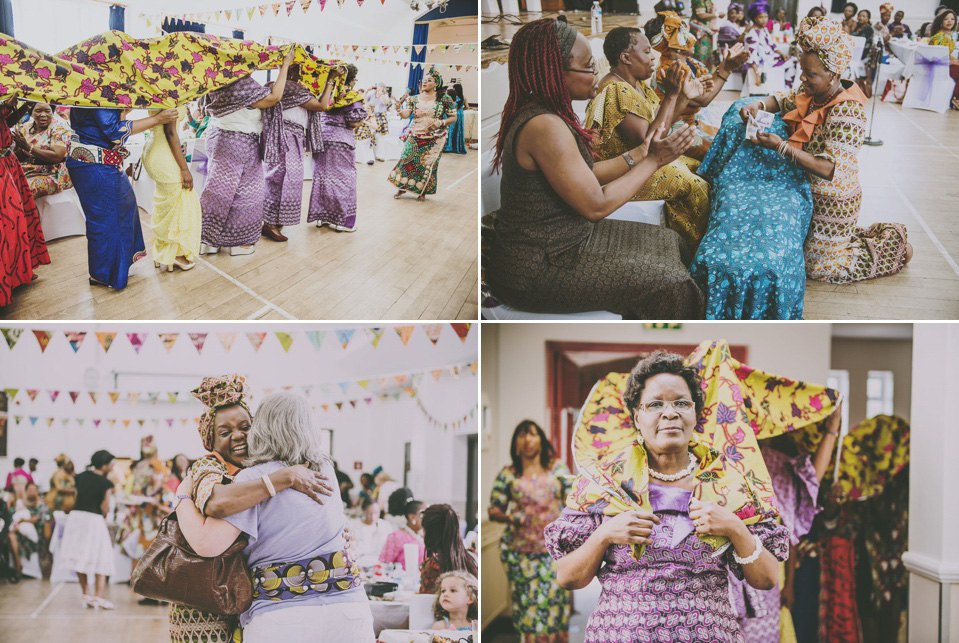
(455, 607)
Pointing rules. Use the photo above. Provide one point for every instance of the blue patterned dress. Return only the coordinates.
(750, 262)
(455, 142)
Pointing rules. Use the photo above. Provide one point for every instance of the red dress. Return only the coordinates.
(22, 247)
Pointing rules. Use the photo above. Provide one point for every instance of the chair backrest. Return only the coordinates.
(858, 45)
(421, 611)
(932, 52)
(490, 181)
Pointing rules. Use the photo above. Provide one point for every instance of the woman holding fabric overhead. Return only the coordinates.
(661, 522)
(827, 122)
(527, 496)
(551, 248)
(432, 112)
(233, 198)
(288, 129)
(95, 162)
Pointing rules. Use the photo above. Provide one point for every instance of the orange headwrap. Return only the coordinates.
(674, 34)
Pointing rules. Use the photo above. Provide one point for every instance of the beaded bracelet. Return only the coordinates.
(752, 558)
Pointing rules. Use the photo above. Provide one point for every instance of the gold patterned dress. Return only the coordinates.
(837, 249)
(176, 212)
(686, 195)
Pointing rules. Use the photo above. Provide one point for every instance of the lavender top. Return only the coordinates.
(336, 122)
(291, 527)
(677, 591)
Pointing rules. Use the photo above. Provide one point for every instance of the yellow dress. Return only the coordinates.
(176, 212)
(686, 195)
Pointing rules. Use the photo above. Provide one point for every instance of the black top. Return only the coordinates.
(91, 490)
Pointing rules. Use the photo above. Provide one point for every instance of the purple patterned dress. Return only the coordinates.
(333, 198)
(796, 487)
(677, 591)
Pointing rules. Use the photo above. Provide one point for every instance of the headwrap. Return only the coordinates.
(756, 8)
(827, 39)
(732, 6)
(566, 35)
(148, 447)
(674, 34)
(436, 76)
(215, 393)
(62, 460)
(741, 406)
(886, 6)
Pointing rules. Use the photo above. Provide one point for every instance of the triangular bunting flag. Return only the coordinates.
(344, 386)
(74, 395)
(344, 336)
(228, 15)
(437, 373)
(168, 339)
(96, 422)
(93, 396)
(256, 339)
(455, 370)
(339, 406)
(250, 12)
(75, 339)
(49, 422)
(433, 332)
(53, 395)
(140, 422)
(32, 392)
(169, 422)
(183, 421)
(111, 422)
(368, 400)
(305, 4)
(172, 395)
(363, 383)
(133, 397)
(114, 396)
(262, 9)
(400, 379)
(276, 8)
(11, 335)
(376, 334)
(136, 340)
(289, 7)
(353, 403)
(462, 330)
(106, 340)
(405, 332)
(474, 366)
(326, 407)
(198, 341)
(33, 420)
(43, 338)
(286, 340)
(226, 340)
(316, 337)
(11, 393)
(126, 423)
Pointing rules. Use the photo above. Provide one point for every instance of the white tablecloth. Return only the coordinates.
(419, 636)
(390, 615)
(470, 120)
(905, 51)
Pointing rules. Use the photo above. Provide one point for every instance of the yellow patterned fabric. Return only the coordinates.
(674, 34)
(872, 454)
(114, 70)
(686, 195)
(943, 39)
(741, 406)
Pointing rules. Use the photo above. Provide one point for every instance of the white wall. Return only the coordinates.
(373, 434)
(800, 351)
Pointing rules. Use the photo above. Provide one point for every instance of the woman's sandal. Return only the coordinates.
(399, 194)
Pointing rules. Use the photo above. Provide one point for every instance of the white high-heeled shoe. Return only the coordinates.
(183, 265)
(208, 250)
(88, 601)
(240, 250)
(162, 266)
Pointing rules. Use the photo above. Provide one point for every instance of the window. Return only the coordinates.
(879, 392)
(839, 380)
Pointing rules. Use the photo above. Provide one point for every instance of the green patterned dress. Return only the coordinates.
(416, 170)
(540, 607)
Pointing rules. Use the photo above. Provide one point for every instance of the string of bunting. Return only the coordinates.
(386, 386)
(343, 337)
(458, 423)
(234, 15)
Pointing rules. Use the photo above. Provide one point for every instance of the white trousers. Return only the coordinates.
(336, 623)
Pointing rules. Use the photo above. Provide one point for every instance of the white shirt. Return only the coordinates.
(247, 120)
(298, 115)
(371, 538)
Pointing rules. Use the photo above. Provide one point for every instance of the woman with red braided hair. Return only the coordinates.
(552, 248)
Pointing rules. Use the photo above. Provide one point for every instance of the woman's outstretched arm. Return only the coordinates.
(209, 537)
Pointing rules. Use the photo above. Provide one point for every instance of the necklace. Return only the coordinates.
(826, 102)
(673, 477)
(622, 79)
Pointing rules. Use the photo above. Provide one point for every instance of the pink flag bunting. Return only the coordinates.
(198, 340)
(75, 339)
(136, 340)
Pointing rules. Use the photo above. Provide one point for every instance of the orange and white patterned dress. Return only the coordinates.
(837, 249)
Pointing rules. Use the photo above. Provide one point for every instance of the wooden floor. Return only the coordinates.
(35, 611)
(407, 260)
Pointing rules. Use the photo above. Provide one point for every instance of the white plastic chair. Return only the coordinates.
(922, 95)
(856, 67)
(61, 215)
(421, 611)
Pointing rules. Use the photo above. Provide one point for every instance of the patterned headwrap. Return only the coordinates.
(756, 8)
(215, 393)
(674, 34)
(566, 36)
(435, 75)
(827, 39)
(886, 6)
(734, 5)
(62, 460)
(741, 405)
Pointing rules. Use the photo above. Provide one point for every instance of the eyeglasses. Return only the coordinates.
(659, 406)
(592, 68)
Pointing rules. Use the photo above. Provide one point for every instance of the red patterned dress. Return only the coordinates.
(22, 247)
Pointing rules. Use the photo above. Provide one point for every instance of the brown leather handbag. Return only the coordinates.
(171, 571)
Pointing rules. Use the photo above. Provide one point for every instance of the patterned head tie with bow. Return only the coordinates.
(827, 39)
(435, 75)
(674, 34)
(215, 393)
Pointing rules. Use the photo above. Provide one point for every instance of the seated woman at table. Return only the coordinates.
(456, 602)
(626, 111)
(444, 548)
(176, 205)
(371, 531)
(42, 144)
(828, 123)
(667, 33)
(551, 247)
(943, 34)
(870, 52)
(394, 548)
(288, 607)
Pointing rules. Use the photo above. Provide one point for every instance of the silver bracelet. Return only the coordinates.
(629, 159)
(752, 558)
